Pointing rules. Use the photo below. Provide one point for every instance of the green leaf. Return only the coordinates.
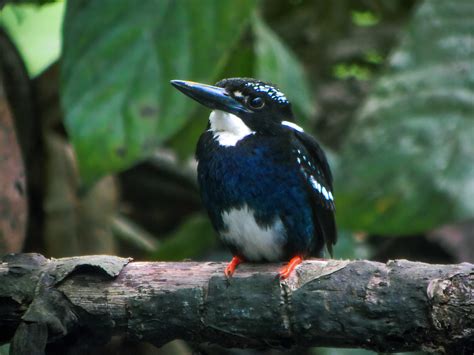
(408, 164)
(277, 64)
(36, 31)
(118, 59)
(193, 238)
(365, 18)
(347, 71)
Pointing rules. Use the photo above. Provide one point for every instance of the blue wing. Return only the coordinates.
(315, 169)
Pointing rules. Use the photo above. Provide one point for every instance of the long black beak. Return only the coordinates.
(213, 97)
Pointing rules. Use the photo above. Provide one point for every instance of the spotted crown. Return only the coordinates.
(272, 92)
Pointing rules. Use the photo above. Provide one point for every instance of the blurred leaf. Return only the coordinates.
(183, 143)
(117, 98)
(193, 238)
(373, 57)
(34, 2)
(5, 349)
(349, 246)
(347, 71)
(408, 163)
(277, 64)
(364, 18)
(36, 32)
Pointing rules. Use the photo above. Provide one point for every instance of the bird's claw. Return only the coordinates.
(286, 271)
(230, 268)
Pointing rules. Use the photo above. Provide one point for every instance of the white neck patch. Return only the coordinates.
(228, 129)
(292, 125)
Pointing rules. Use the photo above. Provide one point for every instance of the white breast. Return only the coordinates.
(228, 129)
(254, 242)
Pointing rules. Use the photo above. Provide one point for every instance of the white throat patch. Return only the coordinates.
(228, 129)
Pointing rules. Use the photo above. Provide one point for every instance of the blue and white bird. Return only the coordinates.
(266, 184)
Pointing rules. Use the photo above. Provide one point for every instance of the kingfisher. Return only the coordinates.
(265, 183)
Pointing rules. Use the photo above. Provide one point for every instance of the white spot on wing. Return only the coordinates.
(321, 189)
(292, 125)
(315, 184)
(254, 242)
(228, 129)
(238, 93)
(325, 193)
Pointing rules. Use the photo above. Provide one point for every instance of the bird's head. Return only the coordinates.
(241, 105)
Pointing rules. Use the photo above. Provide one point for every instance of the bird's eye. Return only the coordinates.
(256, 102)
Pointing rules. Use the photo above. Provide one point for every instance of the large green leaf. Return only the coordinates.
(36, 31)
(408, 164)
(276, 63)
(118, 59)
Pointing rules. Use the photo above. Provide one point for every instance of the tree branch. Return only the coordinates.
(80, 302)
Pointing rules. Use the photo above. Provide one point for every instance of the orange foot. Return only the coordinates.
(229, 270)
(286, 271)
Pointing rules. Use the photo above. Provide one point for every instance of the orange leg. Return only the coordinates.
(229, 270)
(286, 271)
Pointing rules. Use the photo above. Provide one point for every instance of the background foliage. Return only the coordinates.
(118, 68)
(412, 140)
(387, 87)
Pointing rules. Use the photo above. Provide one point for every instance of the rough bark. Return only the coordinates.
(80, 302)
